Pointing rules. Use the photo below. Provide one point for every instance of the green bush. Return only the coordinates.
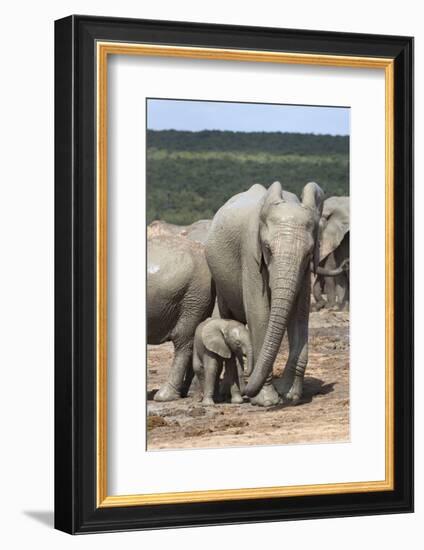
(191, 174)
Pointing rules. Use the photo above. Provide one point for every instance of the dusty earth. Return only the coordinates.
(322, 416)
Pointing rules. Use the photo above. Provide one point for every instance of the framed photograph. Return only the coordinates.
(233, 266)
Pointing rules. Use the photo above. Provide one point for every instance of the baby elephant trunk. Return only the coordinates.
(248, 352)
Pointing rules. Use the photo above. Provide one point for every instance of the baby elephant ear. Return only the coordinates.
(214, 340)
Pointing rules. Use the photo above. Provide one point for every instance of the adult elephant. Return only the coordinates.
(334, 250)
(180, 295)
(259, 250)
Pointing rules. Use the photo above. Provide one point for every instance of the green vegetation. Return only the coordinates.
(191, 174)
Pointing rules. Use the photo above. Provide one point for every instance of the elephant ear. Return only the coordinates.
(333, 234)
(277, 194)
(274, 195)
(214, 341)
(336, 213)
(313, 198)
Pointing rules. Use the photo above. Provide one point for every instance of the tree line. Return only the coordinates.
(191, 174)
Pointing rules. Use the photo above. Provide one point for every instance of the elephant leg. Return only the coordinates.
(268, 395)
(198, 370)
(317, 292)
(344, 293)
(240, 374)
(346, 298)
(233, 382)
(188, 379)
(225, 385)
(211, 365)
(178, 378)
(217, 390)
(330, 283)
(330, 291)
(342, 254)
(297, 331)
(224, 310)
(215, 312)
(339, 291)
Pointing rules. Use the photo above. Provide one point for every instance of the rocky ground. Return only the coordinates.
(322, 416)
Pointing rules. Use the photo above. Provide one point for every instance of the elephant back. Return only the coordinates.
(175, 263)
(179, 287)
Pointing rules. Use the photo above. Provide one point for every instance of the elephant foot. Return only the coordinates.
(294, 395)
(167, 393)
(318, 306)
(236, 399)
(267, 397)
(208, 401)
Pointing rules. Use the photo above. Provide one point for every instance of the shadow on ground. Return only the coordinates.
(151, 394)
(311, 388)
(46, 517)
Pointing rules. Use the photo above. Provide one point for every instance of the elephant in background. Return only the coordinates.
(260, 247)
(197, 231)
(334, 250)
(219, 341)
(180, 295)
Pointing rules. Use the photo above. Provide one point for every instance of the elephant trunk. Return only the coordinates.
(248, 350)
(283, 293)
(344, 266)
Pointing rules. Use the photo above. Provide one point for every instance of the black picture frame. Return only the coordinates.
(76, 510)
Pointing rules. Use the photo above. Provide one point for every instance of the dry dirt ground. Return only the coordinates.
(322, 416)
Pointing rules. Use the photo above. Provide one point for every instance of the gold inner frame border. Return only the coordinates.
(103, 50)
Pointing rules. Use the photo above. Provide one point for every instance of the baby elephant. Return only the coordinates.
(215, 341)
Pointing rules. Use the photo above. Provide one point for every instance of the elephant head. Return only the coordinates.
(334, 224)
(226, 338)
(286, 245)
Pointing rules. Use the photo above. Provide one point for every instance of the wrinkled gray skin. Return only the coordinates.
(197, 231)
(180, 295)
(259, 250)
(334, 250)
(219, 341)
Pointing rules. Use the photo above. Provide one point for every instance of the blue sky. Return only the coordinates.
(165, 114)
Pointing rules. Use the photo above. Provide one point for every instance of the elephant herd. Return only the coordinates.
(259, 259)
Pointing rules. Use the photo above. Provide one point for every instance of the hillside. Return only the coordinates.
(191, 174)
